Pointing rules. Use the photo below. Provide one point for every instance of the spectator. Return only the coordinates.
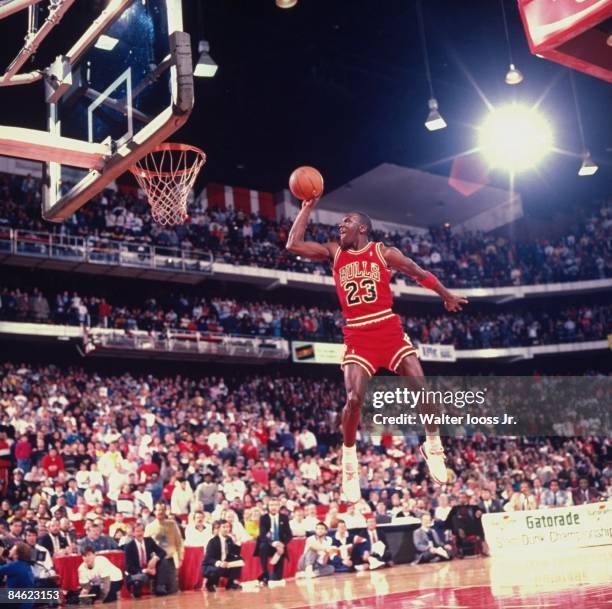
(97, 540)
(373, 552)
(428, 545)
(198, 533)
(585, 493)
(555, 497)
(54, 540)
(182, 498)
(344, 540)
(487, 504)
(314, 562)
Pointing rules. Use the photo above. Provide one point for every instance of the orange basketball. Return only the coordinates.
(306, 183)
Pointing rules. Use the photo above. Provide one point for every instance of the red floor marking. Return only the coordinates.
(479, 597)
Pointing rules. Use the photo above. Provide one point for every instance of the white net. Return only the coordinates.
(167, 175)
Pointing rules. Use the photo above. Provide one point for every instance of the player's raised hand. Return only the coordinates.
(453, 303)
(310, 203)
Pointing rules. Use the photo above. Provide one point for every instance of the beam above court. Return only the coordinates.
(42, 146)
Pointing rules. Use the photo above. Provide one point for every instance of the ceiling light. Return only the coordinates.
(106, 43)
(286, 3)
(514, 138)
(434, 118)
(588, 167)
(206, 66)
(513, 76)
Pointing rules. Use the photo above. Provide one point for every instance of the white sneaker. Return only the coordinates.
(350, 481)
(434, 457)
(375, 563)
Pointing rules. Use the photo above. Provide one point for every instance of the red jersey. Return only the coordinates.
(363, 285)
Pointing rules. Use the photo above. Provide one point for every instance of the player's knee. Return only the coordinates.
(354, 400)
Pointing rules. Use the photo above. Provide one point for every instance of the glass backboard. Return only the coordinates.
(122, 92)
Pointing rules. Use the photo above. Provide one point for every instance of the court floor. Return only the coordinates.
(565, 580)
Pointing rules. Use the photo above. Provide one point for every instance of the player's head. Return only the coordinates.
(354, 225)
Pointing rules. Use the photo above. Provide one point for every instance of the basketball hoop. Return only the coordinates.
(167, 174)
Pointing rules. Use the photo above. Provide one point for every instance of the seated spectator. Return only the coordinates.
(97, 540)
(198, 533)
(428, 545)
(314, 562)
(99, 577)
(222, 559)
(554, 496)
(15, 533)
(118, 525)
(251, 522)
(465, 524)
(344, 541)
(182, 498)
(274, 535)
(298, 523)
(373, 552)
(165, 532)
(487, 504)
(144, 564)
(382, 517)
(585, 493)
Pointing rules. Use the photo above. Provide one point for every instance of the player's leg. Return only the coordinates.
(432, 450)
(355, 381)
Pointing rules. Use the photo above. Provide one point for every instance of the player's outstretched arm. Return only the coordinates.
(397, 261)
(308, 249)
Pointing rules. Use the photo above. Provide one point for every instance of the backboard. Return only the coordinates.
(129, 90)
(123, 88)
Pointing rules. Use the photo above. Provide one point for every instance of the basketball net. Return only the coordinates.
(166, 175)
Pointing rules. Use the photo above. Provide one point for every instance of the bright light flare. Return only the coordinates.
(514, 138)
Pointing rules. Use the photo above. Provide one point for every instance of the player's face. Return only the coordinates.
(349, 231)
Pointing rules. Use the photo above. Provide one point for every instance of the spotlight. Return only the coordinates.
(514, 138)
(286, 3)
(206, 66)
(588, 167)
(434, 118)
(513, 76)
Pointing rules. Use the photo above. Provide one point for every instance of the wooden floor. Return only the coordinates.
(578, 580)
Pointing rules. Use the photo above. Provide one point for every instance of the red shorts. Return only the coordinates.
(379, 345)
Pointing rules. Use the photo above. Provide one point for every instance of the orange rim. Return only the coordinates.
(172, 147)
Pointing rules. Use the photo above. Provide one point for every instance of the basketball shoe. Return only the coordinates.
(433, 453)
(350, 475)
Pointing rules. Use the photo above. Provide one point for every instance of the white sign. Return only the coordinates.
(437, 353)
(317, 353)
(580, 526)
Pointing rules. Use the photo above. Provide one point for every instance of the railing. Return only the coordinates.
(187, 342)
(95, 250)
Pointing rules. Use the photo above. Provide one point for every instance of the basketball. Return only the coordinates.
(306, 183)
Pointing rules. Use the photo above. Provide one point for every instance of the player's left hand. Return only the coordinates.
(453, 303)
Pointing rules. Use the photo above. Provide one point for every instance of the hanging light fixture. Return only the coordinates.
(206, 66)
(434, 118)
(513, 76)
(588, 167)
(286, 3)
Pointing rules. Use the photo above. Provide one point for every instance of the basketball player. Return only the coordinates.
(373, 334)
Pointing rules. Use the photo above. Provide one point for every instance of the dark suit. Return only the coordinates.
(136, 578)
(587, 495)
(264, 548)
(213, 554)
(422, 538)
(493, 507)
(47, 542)
(366, 546)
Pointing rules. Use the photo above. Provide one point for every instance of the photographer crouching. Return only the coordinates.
(18, 572)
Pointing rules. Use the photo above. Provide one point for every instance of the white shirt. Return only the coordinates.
(102, 568)
(196, 538)
(217, 440)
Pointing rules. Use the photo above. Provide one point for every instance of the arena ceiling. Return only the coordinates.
(341, 85)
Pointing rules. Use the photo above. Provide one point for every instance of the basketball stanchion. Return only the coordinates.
(167, 175)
